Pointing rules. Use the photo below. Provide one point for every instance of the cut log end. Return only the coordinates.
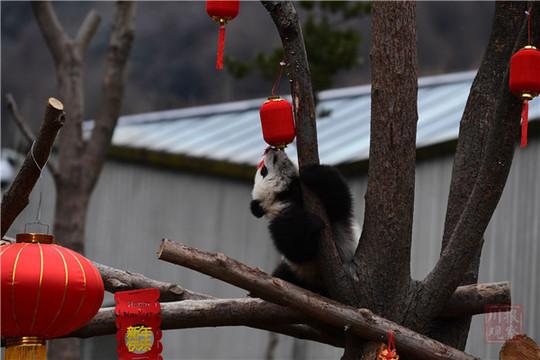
(56, 104)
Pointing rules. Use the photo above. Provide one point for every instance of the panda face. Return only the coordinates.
(274, 174)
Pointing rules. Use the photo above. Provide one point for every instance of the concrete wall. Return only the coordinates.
(135, 206)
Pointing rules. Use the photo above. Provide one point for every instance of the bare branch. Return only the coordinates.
(387, 230)
(16, 198)
(186, 314)
(87, 30)
(337, 281)
(113, 89)
(121, 280)
(52, 31)
(25, 130)
(361, 322)
(19, 120)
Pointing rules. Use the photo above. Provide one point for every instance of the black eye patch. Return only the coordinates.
(264, 171)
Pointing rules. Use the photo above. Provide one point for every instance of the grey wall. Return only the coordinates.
(134, 207)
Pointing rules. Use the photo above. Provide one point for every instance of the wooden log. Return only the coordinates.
(361, 322)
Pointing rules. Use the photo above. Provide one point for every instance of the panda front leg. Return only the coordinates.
(331, 188)
(290, 274)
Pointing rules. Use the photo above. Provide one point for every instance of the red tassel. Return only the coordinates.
(524, 122)
(221, 46)
(391, 346)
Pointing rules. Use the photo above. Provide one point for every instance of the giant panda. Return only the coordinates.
(277, 196)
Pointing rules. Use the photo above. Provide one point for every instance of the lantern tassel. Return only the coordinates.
(27, 349)
(524, 122)
(221, 45)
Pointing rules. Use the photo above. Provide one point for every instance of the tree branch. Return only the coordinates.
(52, 31)
(17, 196)
(186, 314)
(387, 230)
(468, 232)
(25, 129)
(336, 280)
(121, 280)
(87, 30)
(362, 322)
(113, 89)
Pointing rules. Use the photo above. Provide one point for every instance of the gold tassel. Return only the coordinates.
(26, 348)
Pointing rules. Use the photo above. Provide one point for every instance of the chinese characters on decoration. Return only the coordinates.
(222, 11)
(47, 291)
(138, 322)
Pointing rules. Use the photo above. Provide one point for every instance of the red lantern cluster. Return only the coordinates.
(277, 122)
(222, 11)
(47, 290)
(525, 81)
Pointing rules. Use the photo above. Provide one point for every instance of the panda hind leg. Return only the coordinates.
(331, 188)
(284, 272)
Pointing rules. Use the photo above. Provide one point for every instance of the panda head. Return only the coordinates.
(274, 175)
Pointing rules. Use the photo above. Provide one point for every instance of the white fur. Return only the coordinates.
(278, 179)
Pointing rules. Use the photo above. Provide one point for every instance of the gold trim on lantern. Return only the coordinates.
(273, 98)
(529, 47)
(528, 95)
(25, 341)
(221, 20)
(35, 238)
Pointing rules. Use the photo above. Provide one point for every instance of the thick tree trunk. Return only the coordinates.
(383, 255)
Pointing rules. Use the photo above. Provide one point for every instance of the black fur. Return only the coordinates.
(331, 188)
(284, 272)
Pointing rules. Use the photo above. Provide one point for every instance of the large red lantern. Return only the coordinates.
(222, 11)
(277, 122)
(47, 291)
(525, 82)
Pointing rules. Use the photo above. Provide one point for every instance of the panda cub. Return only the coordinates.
(296, 232)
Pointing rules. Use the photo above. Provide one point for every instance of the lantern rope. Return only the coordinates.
(528, 13)
(278, 79)
(40, 168)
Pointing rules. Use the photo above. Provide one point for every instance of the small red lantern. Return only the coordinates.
(525, 82)
(277, 122)
(47, 291)
(222, 11)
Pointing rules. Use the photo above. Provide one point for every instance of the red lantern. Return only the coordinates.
(47, 291)
(525, 81)
(222, 11)
(277, 122)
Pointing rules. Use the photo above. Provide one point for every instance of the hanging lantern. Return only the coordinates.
(47, 291)
(277, 122)
(525, 82)
(222, 11)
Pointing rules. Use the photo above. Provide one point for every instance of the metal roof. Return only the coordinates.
(232, 132)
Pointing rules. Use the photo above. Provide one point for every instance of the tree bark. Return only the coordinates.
(361, 322)
(17, 196)
(383, 255)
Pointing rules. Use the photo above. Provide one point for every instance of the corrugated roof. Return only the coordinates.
(231, 132)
